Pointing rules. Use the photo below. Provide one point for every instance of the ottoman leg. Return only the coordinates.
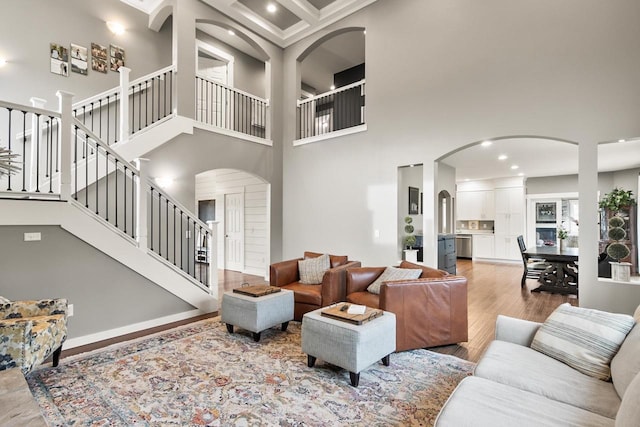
(230, 328)
(284, 326)
(256, 336)
(385, 360)
(311, 360)
(355, 378)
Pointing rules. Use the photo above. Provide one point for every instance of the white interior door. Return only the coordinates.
(234, 231)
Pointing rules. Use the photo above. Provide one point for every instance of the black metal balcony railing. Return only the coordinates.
(31, 134)
(339, 109)
(231, 109)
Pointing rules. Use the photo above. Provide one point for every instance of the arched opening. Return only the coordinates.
(445, 212)
(239, 202)
(331, 85)
(510, 186)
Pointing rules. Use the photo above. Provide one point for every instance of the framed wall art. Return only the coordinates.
(414, 200)
(59, 59)
(79, 59)
(546, 213)
(117, 57)
(98, 58)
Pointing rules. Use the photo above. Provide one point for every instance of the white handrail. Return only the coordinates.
(152, 75)
(29, 109)
(247, 94)
(331, 92)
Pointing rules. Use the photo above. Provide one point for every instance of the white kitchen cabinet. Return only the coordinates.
(475, 205)
(509, 222)
(483, 246)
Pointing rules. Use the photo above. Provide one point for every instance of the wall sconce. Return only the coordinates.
(115, 27)
(3, 61)
(164, 182)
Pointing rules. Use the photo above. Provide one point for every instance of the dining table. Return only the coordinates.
(561, 277)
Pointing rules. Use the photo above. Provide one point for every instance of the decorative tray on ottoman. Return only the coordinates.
(339, 313)
(257, 290)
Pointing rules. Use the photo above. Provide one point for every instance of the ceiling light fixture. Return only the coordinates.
(622, 140)
(164, 182)
(332, 87)
(521, 174)
(3, 61)
(486, 143)
(514, 167)
(271, 8)
(115, 27)
(502, 157)
(231, 32)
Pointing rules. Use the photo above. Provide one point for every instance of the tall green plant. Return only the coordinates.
(617, 199)
(617, 250)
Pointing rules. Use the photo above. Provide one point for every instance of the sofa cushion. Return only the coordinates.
(364, 298)
(305, 294)
(334, 260)
(480, 402)
(629, 412)
(392, 273)
(583, 338)
(626, 364)
(521, 367)
(312, 269)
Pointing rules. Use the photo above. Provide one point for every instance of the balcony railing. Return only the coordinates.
(230, 109)
(332, 111)
(148, 101)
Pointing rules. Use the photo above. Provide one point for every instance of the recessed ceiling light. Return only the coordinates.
(502, 157)
(271, 8)
(364, 32)
(521, 174)
(514, 167)
(231, 32)
(486, 143)
(621, 140)
(332, 87)
(466, 179)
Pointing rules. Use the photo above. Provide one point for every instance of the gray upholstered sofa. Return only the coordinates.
(514, 385)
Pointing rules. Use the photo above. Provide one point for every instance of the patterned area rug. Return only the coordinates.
(201, 375)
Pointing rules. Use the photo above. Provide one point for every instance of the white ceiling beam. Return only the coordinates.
(302, 9)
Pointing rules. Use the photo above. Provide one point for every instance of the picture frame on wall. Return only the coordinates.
(117, 57)
(59, 59)
(414, 200)
(546, 213)
(79, 59)
(99, 58)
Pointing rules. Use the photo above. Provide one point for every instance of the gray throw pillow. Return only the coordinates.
(583, 338)
(392, 273)
(312, 269)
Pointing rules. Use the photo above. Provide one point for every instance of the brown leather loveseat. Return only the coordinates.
(430, 311)
(307, 298)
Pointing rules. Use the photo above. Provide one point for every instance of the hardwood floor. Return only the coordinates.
(492, 289)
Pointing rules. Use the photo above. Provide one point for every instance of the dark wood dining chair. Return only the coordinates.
(533, 267)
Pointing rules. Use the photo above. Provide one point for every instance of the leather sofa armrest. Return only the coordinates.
(284, 272)
(359, 278)
(517, 331)
(334, 283)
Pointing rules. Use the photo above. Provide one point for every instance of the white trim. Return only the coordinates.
(331, 92)
(221, 54)
(330, 135)
(232, 133)
(124, 330)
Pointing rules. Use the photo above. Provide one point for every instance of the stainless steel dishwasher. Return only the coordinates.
(464, 245)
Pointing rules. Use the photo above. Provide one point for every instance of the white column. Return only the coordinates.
(213, 259)
(36, 136)
(124, 104)
(65, 100)
(141, 203)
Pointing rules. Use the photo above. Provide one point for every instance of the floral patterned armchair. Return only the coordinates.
(30, 331)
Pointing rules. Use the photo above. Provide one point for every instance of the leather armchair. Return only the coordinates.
(307, 298)
(430, 311)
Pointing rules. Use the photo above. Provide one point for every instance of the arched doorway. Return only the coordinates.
(240, 202)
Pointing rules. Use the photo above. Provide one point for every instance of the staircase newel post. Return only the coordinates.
(141, 203)
(124, 104)
(213, 258)
(65, 101)
(36, 139)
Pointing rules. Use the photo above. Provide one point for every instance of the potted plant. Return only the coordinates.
(562, 235)
(618, 250)
(410, 254)
(617, 199)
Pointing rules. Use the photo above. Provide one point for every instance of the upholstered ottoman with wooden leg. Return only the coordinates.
(349, 346)
(256, 314)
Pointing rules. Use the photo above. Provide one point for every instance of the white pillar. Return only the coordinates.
(213, 259)
(141, 203)
(65, 100)
(124, 104)
(36, 136)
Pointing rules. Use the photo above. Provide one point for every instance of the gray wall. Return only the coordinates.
(28, 26)
(480, 70)
(105, 294)
(627, 179)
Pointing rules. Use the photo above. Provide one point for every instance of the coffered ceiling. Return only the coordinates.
(291, 20)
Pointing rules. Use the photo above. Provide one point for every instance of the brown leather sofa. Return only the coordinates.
(307, 298)
(430, 311)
